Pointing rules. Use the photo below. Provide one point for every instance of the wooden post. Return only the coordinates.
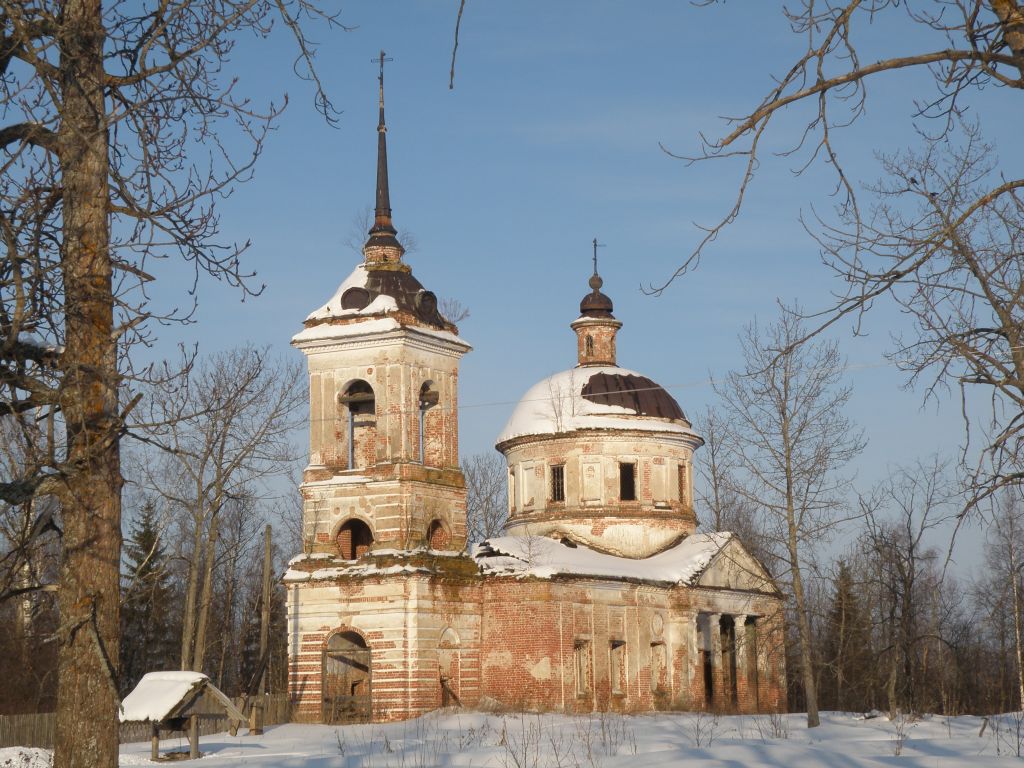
(256, 713)
(193, 737)
(265, 612)
(154, 751)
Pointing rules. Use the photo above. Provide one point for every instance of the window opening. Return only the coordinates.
(429, 397)
(354, 539)
(659, 666)
(581, 666)
(627, 481)
(681, 483)
(361, 412)
(558, 482)
(438, 536)
(588, 346)
(618, 667)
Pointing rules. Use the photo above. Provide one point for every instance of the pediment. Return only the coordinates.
(735, 568)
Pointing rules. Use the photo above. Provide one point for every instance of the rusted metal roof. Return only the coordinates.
(406, 290)
(637, 393)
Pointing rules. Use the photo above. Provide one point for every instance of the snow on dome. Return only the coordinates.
(556, 405)
(158, 694)
(541, 557)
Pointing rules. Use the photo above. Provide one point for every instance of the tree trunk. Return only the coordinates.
(86, 720)
(1015, 581)
(188, 620)
(203, 617)
(803, 623)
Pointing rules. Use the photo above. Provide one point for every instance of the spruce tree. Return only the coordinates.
(148, 612)
(847, 647)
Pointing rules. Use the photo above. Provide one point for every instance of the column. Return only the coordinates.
(743, 692)
(719, 700)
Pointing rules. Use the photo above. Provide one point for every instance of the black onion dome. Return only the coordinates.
(595, 303)
(637, 393)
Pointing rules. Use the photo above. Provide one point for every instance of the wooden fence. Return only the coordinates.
(37, 730)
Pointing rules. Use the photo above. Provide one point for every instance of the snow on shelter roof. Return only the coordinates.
(161, 695)
(557, 404)
(543, 558)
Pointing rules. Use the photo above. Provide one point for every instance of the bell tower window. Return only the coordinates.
(428, 398)
(360, 404)
(354, 539)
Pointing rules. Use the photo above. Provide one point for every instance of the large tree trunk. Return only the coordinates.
(203, 618)
(86, 729)
(188, 622)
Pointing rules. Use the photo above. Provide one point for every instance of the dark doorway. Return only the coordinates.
(347, 680)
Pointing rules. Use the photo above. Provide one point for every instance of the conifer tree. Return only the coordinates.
(148, 613)
(846, 649)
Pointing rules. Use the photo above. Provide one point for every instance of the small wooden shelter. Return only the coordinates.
(177, 701)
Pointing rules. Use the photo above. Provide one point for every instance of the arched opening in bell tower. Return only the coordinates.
(359, 414)
(429, 427)
(354, 539)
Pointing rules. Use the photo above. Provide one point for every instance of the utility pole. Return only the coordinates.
(265, 613)
(256, 714)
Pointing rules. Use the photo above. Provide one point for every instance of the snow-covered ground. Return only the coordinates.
(606, 741)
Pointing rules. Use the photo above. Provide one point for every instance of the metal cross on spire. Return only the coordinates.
(596, 246)
(380, 78)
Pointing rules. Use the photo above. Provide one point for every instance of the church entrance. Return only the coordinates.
(346, 679)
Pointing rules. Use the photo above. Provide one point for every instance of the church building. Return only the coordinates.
(600, 595)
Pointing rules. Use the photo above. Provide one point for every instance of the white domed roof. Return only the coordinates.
(595, 397)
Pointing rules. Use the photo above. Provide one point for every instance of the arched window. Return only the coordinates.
(354, 539)
(429, 398)
(359, 402)
(438, 535)
(588, 346)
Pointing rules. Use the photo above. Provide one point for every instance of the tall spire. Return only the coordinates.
(381, 245)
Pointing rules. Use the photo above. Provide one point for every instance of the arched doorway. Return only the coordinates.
(347, 679)
(449, 662)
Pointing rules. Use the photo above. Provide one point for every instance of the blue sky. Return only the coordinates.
(549, 139)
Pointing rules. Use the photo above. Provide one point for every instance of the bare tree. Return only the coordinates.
(1005, 538)
(114, 144)
(941, 235)
(486, 501)
(789, 441)
(723, 507)
(222, 432)
(904, 567)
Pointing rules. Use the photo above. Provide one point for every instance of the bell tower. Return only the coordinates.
(383, 365)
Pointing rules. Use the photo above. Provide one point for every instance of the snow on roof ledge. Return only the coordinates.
(543, 558)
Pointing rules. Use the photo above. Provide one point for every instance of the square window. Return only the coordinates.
(558, 482)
